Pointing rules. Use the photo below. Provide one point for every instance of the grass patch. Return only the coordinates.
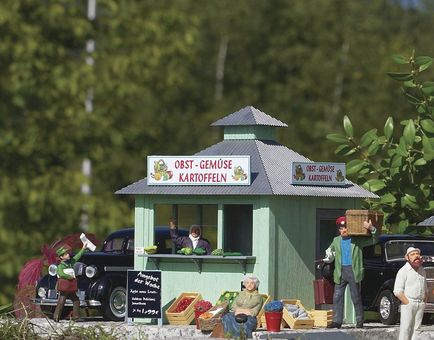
(74, 332)
(11, 328)
(17, 328)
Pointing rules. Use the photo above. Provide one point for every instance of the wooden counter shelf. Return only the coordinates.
(199, 259)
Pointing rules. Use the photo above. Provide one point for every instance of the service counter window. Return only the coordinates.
(237, 225)
(237, 235)
(186, 215)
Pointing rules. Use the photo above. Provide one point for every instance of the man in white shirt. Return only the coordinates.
(411, 289)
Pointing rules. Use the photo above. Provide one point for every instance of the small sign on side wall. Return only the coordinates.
(144, 294)
(320, 174)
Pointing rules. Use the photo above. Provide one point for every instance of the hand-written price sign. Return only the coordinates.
(144, 294)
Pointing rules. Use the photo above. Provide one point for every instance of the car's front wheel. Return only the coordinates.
(388, 308)
(117, 305)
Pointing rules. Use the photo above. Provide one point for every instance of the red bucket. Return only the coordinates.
(273, 320)
(197, 313)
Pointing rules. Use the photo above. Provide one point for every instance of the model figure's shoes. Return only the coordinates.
(334, 325)
(359, 325)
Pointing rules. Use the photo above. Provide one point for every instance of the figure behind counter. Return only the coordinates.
(193, 241)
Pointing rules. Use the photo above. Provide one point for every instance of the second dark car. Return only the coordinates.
(382, 262)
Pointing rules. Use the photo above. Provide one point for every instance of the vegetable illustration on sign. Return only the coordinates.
(299, 174)
(239, 174)
(161, 171)
(339, 176)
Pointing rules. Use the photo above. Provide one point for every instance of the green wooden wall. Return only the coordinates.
(284, 240)
(294, 219)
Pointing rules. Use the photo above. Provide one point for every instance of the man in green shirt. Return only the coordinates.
(347, 254)
(65, 270)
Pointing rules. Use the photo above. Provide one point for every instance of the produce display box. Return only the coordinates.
(355, 218)
(185, 317)
(209, 319)
(321, 318)
(293, 322)
(227, 296)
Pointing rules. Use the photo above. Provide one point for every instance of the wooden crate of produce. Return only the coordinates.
(186, 316)
(293, 322)
(227, 296)
(321, 318)
(208, 320)
(355, 218)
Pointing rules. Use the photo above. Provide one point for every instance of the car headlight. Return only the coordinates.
(52, 270)
(42, 292)
(91, 271)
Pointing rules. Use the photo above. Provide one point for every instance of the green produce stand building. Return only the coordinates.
(280, 228)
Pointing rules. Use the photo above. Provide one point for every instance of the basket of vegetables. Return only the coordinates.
(201, 307)
(227, 296)
(181, 311)
(208, 320)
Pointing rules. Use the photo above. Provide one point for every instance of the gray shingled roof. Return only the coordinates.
(428, 222)
(270, 165)
(249, 116)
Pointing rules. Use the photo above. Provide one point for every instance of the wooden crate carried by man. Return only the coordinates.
(355, 218)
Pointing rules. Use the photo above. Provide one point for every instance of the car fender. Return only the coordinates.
(100, 290)
(387, 285)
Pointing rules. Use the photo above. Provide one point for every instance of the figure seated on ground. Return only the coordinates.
(246, 307)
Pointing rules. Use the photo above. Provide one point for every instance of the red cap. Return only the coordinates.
(340, 221)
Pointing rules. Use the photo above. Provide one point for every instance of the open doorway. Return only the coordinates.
(325, 229)
(238, 228)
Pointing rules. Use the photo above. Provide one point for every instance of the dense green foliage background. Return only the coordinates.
(397, 162)
(163, 71)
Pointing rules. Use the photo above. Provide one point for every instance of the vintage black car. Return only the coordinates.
(102, 275)
(382, 262)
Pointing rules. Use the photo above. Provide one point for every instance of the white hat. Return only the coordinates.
(412, 249)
